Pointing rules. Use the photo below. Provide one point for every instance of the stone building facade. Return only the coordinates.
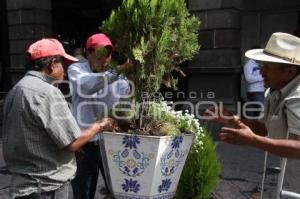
(228, 28)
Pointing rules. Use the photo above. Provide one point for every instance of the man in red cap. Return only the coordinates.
(94, 88)
(40, 134)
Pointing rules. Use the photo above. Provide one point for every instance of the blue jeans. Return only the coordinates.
(88, 164)
(61, 193)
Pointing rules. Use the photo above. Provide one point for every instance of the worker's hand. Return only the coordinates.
(242, 135)
(127, 67)
(107, 124)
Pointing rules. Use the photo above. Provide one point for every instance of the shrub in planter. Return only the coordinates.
(202, 169)
(157, 35)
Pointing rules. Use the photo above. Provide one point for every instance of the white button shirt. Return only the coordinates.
(94, 94)
(282, 116)
(255, 82)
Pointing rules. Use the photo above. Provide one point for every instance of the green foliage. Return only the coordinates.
(201, 171)
(157, 35)
(184, 122)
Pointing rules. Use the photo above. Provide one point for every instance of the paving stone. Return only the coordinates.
(241, 177)
(4, 181)
(4, 194)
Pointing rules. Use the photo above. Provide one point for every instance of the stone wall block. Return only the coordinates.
(29, 17)
(206, 39)
(251, 35)
(219, 19)
(19, 46)
(278, 22)
(220, 39)
(227, 39)
(29, 32)
(17, 61)
(25, 4)
(215, 86)
(214, 4)
(216, 58)
(254, 5)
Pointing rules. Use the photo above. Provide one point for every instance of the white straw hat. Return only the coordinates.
(281, 48)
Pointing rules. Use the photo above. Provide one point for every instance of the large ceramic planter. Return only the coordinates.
(139, 167)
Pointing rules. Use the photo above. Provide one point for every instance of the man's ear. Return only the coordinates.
(51, 66)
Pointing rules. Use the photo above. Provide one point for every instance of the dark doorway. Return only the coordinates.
(75, 20)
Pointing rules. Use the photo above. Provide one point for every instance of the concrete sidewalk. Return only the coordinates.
(242, 169)
(241, 174)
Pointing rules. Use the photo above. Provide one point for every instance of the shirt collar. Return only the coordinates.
(42, 76)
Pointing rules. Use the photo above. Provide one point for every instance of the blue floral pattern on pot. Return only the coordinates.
(176, 142)
(130, 161)
(131, 186)
(134, 196)
(137, 163)
(131, 141)
(173, 158)
(165, 185)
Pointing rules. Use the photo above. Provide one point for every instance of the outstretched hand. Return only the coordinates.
(242, 135)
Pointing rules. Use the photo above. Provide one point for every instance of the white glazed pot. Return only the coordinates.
(140, 167)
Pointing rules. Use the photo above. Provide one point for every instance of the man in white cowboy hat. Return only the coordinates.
(278, 130)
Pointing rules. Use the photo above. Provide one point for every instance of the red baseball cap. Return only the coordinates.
(98, 40)
(48, 47)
